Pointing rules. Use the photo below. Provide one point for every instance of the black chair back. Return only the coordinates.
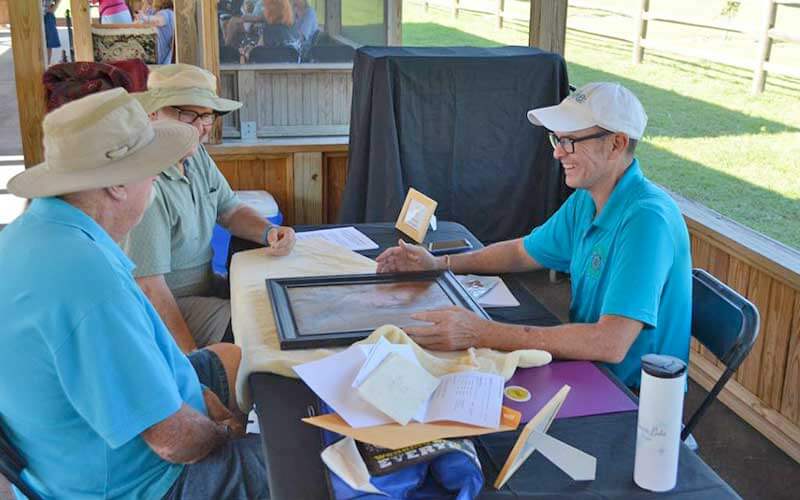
(228, 54)
(274, 55)
(331, 53)
(726, 324)
(12, 464)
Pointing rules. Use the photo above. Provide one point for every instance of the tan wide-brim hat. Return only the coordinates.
(101, 140)
(183, 85)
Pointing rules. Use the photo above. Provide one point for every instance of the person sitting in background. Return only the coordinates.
(115, 12)
(145, 7)
(94, 393)
(164, 20)
(172, 245)
(280, 30)
(305, 20)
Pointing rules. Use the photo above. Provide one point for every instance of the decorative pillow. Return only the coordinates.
(114, 44)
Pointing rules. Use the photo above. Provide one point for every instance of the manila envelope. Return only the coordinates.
(395, 436)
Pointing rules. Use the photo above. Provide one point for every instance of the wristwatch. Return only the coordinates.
(270, 227)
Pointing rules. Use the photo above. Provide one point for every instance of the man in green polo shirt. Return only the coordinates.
(171, 247)
(621, 238)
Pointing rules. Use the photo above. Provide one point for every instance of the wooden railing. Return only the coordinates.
(765, 33)
(766, 388)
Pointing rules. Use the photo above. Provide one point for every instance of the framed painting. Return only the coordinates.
(415, 217)
(327, 311)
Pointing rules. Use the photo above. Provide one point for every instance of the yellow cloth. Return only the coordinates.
(255, 331)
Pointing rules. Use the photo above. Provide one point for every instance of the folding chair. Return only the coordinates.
(726, 324)
(11, 466)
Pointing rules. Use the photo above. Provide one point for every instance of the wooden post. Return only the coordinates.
(186, 31)
(764, 46)
(210, 59)
(548, 26)
(500, 12)
(27, 44)
(394, 22)
(640, 30)
(333, 17)
(4, 12)
(455, 9)
(81, 30)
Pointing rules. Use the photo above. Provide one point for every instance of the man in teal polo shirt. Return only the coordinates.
(94, 392)
(621, 238)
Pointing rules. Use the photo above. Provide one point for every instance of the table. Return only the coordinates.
(292, 447)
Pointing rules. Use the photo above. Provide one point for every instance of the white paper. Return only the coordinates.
(398, 388)
(345, 461)
(376, 353)
(471, 398)
(415, 214)
(348, 237)
(578, 465)
(499, 296)
(331, 378)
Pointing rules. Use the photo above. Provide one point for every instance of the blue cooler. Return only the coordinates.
(263, 203)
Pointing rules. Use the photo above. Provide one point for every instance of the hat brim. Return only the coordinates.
(170, 143)
(152, 102)
(564, 117)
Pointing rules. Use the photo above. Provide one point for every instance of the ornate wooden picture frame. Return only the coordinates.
(415, 217)
(329, 311)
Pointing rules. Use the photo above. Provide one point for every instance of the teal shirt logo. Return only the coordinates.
(596, 261)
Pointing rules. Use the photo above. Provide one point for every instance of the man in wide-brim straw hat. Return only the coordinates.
(172, 245)
(94, 392)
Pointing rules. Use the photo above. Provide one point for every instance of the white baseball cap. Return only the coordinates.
(602, 104)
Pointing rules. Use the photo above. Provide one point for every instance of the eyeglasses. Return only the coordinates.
(190, 117)
(568, 144)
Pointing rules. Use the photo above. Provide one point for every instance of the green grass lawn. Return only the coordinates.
(707, 138)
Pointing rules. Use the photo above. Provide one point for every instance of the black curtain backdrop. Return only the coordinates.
(451, 122)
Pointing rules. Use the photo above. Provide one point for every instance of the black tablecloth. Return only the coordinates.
(295, 470)
(451, 122)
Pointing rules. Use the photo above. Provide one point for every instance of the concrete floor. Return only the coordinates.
(748, 461)
(751, 464)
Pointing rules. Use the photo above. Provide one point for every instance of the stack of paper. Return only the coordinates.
(384, 383)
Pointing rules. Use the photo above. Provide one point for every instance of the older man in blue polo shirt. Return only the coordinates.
(621, 238)
(94, 391)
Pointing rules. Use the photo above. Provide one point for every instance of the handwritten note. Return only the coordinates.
(398, 388)
(468, 397)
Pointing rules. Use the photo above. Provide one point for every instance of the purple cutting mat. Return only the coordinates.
(592, 393)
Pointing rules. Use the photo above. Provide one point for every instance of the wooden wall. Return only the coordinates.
(766, 389)
(289, 102)
(307, 182)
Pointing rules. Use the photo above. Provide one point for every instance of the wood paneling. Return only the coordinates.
(776, 342)
(790, 401)
(335, 178)
(229, 89)
(766, 388)
(27, 45)
(287, 103)
(308, 188)
(307, 181)
(81, 30)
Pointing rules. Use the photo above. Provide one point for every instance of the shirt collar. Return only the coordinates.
(619, 196)
(173, 173)
(60, 212)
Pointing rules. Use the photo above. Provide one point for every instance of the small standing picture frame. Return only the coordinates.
(415, 217)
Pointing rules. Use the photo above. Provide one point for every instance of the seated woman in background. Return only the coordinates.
(115, 12)
(280, 30)
(164, 20)
(305, 20)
